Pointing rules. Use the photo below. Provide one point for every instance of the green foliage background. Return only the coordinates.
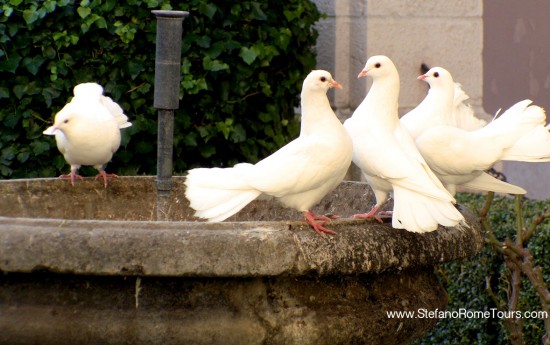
(243, 63)
(465, 281)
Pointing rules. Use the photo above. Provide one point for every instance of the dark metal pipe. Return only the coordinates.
(167, 89)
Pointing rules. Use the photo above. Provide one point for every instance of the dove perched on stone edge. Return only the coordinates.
(87, 130)
(299, 174)
(389, 159)
(458, 156)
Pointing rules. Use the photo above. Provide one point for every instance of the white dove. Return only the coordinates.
(389, 159)
(299, 174)
(458, 156)
(458, 113)
(87, 130)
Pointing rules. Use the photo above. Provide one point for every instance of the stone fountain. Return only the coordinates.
(129, 264)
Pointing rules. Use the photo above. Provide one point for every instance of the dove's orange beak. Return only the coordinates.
(363, 73)
(422, 77)
(336, 84)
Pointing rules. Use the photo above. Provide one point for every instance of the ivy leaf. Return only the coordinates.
(4, 92)
(213, 65)
(216, 49)
(257, 12)
(19, 91)
(33, 64)
(204, 41)
(207, 150)
(7, 10)
(50, 5)
(39, 147)
(83, 12)
(207, 9)
(249, 54)
(10, 63)
(134, 68)
(30, 16)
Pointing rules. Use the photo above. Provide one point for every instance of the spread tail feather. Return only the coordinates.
(216, 194)
(463, 115)
(534, 146)
(116, 111)
(487, 182)
(420, 213)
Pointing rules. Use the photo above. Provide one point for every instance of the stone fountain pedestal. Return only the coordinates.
(91, 265)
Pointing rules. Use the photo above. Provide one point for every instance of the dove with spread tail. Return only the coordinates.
(389, 160)
(87, 130)
(299, 174)
(459, 156)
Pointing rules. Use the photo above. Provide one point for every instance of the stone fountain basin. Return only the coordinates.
(92, 264)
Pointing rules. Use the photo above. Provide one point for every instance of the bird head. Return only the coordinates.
(376, 66)
(320, 80)
(63, 121)
(93, 90)
(438, 76)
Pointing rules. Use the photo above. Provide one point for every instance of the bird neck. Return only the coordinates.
(441, 101)
(314, 111)
(382, 99)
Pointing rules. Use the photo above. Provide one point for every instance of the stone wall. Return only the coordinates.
(438, 33)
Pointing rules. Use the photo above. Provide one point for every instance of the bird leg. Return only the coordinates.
(105, 176)
(372, 214)
(71, 176)
(312, 218)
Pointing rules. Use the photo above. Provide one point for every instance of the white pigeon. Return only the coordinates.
(87, 130)
(390, 161)
(458, 156)
(299, 174)
(458, 113)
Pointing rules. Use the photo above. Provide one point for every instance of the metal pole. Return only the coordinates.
(166, 97)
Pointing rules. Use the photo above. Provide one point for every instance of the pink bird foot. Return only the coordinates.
(312, 219)
(371, 214)
(105, 176)
(72, 175)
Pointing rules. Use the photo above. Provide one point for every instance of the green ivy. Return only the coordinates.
(466, 281)
(242, 68)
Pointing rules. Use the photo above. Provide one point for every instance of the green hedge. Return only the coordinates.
(243, 63)
(465, 281)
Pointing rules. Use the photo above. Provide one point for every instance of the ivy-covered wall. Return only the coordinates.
(243, 63)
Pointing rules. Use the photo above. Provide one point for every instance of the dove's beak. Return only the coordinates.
(422, 77)
(363, 73)
(336, 84)
(50, 130)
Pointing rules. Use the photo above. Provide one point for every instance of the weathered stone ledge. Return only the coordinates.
(223, 249)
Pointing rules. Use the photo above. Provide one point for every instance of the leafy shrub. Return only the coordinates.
(466, 281)
(243, 63)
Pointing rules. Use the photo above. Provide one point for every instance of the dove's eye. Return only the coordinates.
(378, 65)
(66, 121)
(323, 79)
(436, 74)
